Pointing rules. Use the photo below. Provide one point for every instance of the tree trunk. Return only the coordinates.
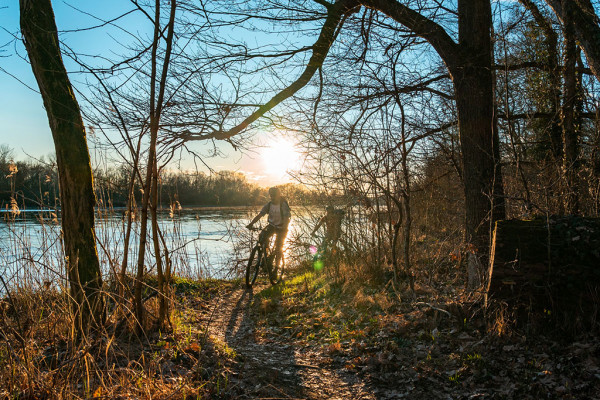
(73, 160)
(473, 84)
(162, 308)
(481, 169)
(570, 134)
(406, 231)
(131, 205)
(150, 197)
(146, 184)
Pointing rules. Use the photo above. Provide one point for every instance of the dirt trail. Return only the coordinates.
(270, 368)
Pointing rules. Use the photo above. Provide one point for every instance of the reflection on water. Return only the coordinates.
(201, 243)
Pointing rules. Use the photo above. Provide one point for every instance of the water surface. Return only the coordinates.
(204, 242)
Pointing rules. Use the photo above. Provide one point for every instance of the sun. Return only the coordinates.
(280, 157)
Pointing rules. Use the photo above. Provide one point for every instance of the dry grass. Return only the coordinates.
(39, 358)
(40, 355)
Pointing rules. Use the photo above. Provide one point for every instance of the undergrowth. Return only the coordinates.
(39, 358)
(431, 341)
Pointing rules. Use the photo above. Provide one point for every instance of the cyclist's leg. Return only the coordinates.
(325, 246)
(333, 241)
(333, 256)
(279, 240)
(265, 235)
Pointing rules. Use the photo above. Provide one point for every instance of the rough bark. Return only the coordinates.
(473, 83)
(73, 160)
(586, 28)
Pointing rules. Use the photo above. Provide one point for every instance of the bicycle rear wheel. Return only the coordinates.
(276, 269)
(253, 265)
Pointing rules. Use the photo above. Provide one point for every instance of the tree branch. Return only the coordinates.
(447, 48)
(587, 29)
(335, 18)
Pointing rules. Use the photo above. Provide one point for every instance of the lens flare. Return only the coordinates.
(318, 265)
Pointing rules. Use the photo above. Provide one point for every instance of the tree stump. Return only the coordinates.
(547, 269)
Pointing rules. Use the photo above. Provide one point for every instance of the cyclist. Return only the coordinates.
(280, 214)
(333, 227)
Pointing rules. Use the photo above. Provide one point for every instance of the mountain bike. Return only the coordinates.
(264, 255)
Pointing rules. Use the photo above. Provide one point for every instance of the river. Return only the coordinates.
(204, 242)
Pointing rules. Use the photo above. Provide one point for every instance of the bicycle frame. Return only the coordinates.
(262, 256)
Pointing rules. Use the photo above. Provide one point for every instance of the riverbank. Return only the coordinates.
(311, 337)
(202, 242)
(40, 359)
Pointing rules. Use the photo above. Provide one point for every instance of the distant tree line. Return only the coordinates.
(33, 183)
(30, 183)
(188, 189)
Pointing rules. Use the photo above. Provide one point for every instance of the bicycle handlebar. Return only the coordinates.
(260, 228)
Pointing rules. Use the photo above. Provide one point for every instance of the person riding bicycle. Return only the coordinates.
(280, 214)
(333, 227)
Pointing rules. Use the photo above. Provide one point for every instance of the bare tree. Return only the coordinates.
(73, 160)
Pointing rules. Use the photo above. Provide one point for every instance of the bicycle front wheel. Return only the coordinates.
(253, 266)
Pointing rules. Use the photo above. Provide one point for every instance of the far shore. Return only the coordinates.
(161, 209)
(183, 209)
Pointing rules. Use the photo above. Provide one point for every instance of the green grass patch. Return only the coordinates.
(183, 285)
(311, 307)
(292, 287)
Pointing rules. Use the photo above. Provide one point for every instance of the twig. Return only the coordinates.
(434, 308)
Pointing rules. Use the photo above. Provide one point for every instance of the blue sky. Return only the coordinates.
(24, 124)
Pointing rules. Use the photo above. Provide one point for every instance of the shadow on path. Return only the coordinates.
(270, 368)
(263, 369)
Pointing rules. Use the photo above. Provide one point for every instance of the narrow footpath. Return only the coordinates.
(268, 368)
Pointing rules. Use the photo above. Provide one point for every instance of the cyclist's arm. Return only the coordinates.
(259, 216)
(255, 220)
(318, 225)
